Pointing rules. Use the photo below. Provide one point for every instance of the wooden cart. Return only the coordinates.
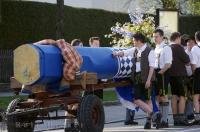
(22, 114)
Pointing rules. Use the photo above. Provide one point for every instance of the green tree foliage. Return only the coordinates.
(194, 6)
(169, 4)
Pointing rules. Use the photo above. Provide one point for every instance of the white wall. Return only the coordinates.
(147, 6)
(109, 5)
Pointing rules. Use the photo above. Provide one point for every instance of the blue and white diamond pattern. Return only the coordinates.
(125, 65)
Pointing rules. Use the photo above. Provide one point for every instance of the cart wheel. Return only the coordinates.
(17, 123)
(91, 114)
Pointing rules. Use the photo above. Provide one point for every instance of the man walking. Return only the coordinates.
(163, 62)
(142, 75)
(196, 68)
(177, 75)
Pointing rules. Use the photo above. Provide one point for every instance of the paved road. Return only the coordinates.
(114, 114)
(118, 113)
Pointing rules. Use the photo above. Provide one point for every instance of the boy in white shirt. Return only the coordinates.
(142, 75)
(163, 62)
(189, 108)
(196, 68)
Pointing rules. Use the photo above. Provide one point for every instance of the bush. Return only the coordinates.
(189, 24)
(27, 22)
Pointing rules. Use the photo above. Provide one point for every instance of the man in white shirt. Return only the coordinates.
(196, 68)
(142, 75)
(189, 107)
(190, 44)
(94, 42)
(163, 62)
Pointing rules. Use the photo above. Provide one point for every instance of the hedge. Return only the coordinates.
(189, 24)
(27, 22)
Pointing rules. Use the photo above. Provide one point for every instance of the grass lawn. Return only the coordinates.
(4, 101)
(109, 95)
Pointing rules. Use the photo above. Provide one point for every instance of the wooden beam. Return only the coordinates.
(85, 81)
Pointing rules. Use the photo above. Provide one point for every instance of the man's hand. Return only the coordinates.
(120, 53)
(114, 53)
(165, 68)
(148, 84)
(161, 72)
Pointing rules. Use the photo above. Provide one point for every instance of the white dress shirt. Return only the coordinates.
(129, 52)
(196, 55)
(188, 67)
(151, 56)
(163, 54)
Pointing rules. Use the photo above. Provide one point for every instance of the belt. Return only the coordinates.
(137, 73)
(197, 70)
(157, 70)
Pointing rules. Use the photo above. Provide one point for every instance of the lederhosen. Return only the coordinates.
(162, 81)
(139, 78)
(189, 82)
(197, 80)
(177, 82)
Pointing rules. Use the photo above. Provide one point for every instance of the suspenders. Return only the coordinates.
(159, 56)
(135, 56)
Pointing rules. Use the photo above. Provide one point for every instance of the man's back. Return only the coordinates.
(180, 59)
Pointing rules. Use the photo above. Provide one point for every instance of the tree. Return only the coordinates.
(194, 6)
(181, 5)
(169, 4)
(60, 19)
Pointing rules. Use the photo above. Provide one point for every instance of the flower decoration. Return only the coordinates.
(122, 34)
